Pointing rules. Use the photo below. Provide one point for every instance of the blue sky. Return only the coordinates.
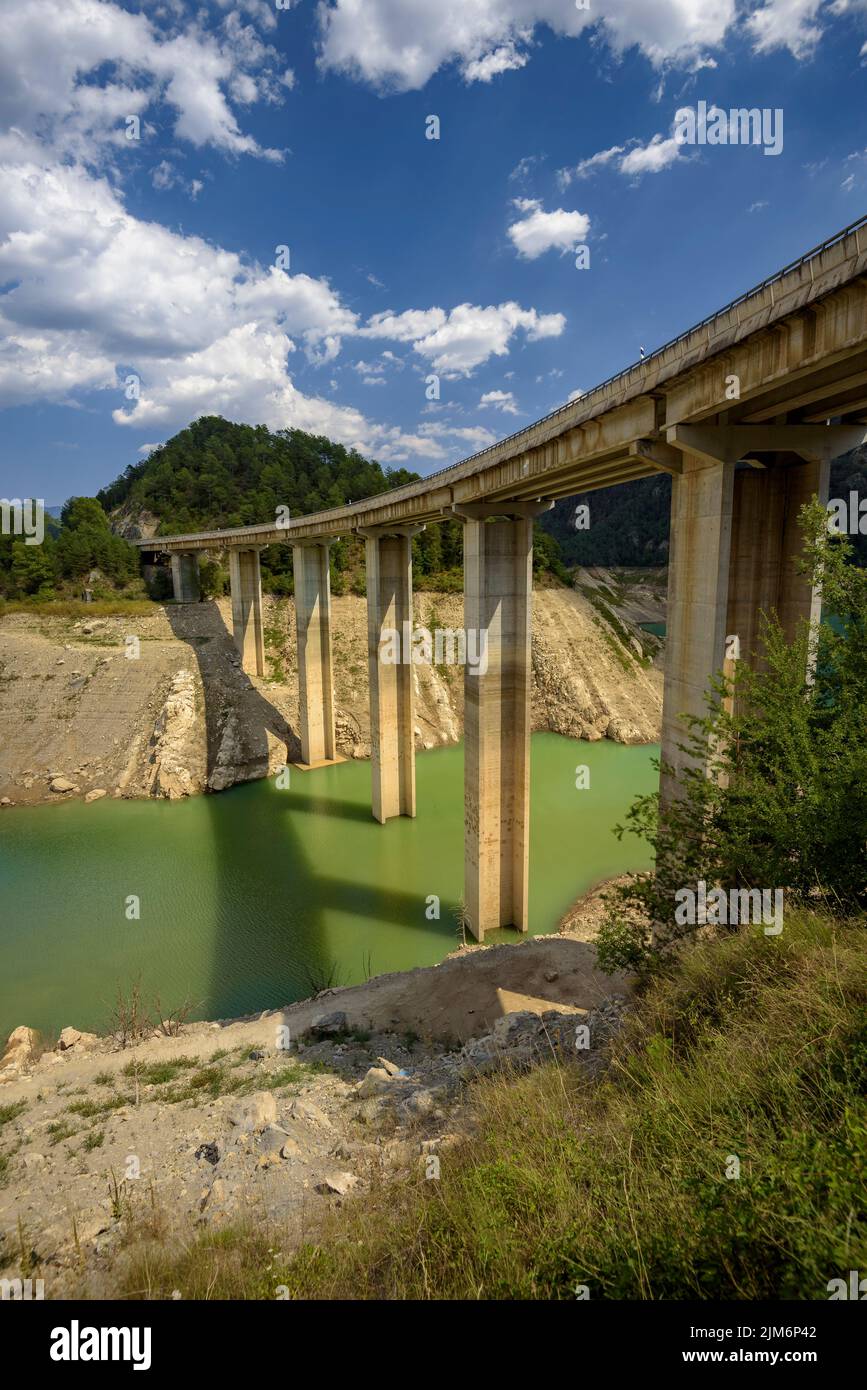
(153, 259)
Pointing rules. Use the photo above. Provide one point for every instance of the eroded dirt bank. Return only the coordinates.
(80, 718)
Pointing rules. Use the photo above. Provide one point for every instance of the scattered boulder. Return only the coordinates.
(214, 1194)
(388, 1066)
(329, 1025)
(71, 1037)
(209, 1152)
(306, 1110)
(254, 1113)
(62, 785)
(519, 1040)
(399, 1153)
(420, 1103)
(440, 1143)
(20, 1051)
(272, 1139)
(96, 794)
(507, 1029)
(375, 1083)
(337, 1184)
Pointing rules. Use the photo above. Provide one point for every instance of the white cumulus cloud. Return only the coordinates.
(467, 336)
(651, 158)
(400, 44)
(790, 24)
(537, 231)
(500, 400)
(74, 77)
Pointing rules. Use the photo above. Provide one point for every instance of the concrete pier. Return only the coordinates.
(185, 576)
(392, 718)
(766, 546)
(246, 587)
(498, 580)
(313, 627)
(735, 543)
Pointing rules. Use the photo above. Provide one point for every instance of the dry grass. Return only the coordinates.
(77, 608)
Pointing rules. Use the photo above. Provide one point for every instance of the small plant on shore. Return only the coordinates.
(27, 1256)
(115, 1195)
(59, 1130)
(171, 1023)
(89, 1109)
(129, 1022)
(320, 978)
(463, 921)
(158, 1073)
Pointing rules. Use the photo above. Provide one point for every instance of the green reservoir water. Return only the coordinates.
(252, 898)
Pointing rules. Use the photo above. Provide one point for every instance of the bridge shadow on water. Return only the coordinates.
(255, 858)
(274, 895)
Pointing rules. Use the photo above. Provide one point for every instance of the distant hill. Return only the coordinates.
(219, 474)
(849, 474)
(628, 525)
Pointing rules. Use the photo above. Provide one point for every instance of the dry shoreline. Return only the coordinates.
(182, 718)
(274, 1117)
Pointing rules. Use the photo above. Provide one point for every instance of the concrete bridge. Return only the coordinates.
(745, 411)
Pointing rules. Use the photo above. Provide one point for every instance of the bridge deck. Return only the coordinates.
(795, 344)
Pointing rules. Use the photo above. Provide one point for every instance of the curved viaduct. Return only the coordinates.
(745, 411)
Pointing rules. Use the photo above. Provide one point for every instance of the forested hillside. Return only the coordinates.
(82, 542)
(628, 525)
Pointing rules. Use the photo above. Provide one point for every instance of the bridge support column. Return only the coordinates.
(498, 583)
(734, 547)
(767, 545)
(246, 586)
(313, 626)
(389, 635)
(185, 576)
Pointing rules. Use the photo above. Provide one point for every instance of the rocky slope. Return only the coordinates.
(158, 705)
(275, 1118)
